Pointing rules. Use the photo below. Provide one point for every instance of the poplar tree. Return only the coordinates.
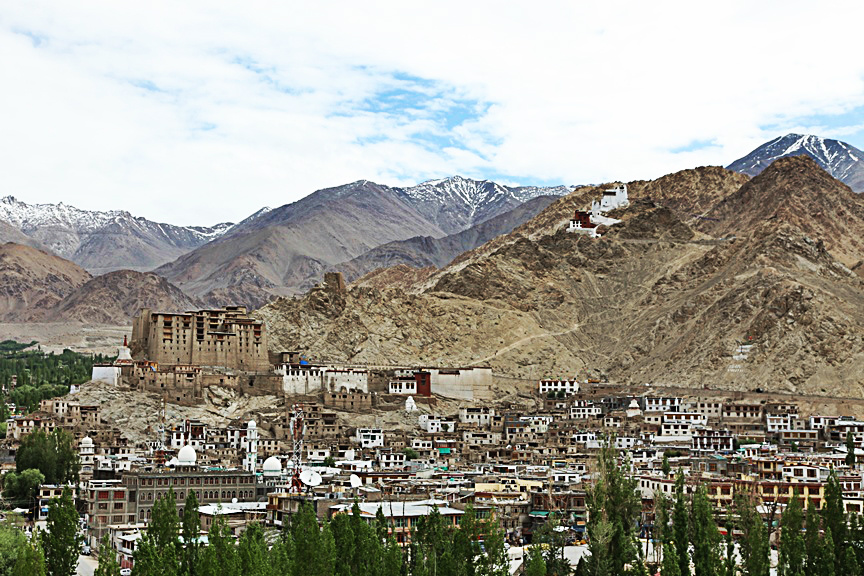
(191, 530)
(706, 537)
(31, 558)
(827, 560)
(61, 541)
(791, 561)
(535, 565)
(834, 516)
(681, 525)
(614, 508)
(812, 542)
(670, 565)
(219, 558)
(108, 565)
(850, 449)
(253, 553)
(753, 546)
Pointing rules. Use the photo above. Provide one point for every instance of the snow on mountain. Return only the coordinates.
(102, 241)
(843, 161)
(457, 203)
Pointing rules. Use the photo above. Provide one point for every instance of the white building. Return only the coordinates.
(402, 386)
(481, 417)
(369, 437)
(612, 198)
(661, 404)
(584, 410)
(581, 224)
(388, 460)
(432, 423)
(568, 387)
(308, 379)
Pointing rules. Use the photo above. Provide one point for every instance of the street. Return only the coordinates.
(86, 565)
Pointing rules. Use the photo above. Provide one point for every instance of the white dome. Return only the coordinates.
(186, 456)
(272, 465)
(86, 441)
(634, 403)
(251, 424)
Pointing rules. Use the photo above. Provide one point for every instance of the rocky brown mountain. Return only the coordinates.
(33, 282)
(426, 251)
(286, 250)
(117, 296)
(662, 297)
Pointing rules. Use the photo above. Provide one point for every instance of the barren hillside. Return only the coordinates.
(654, 300)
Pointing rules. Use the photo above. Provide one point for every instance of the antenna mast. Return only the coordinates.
(298, 431)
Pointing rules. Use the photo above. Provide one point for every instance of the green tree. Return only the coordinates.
(614, 508)
(850, 449)
(314, 547)
(534, 563)
(282, 555)
(552, 542)
(22, 489)
(411, 454)
(812, 540)
(31, 559)
(753, 546)
(850, 562)
(108, 565)
(158, 551)
(791, 561)
(252, 552)
(834, 517)
(666, 467)
(494, 562)
(671, 565)
(12, 542)
(52, 454)
(706, 538)
(61, 541)
(190, 530)
(219, 558)
(826, 558)
(681, 525)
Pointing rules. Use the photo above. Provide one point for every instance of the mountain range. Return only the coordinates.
(100, 241)
(843, 161)
(376, 234)
(286, 250)
(703, 261)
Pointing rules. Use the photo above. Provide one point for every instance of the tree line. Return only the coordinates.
(41, 459)
(41, 376)
(346, 545)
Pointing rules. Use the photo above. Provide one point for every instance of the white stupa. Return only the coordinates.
(410, 405)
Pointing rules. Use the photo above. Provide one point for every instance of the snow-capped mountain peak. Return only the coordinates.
(843, 161)
(104, 240)
(457, 202)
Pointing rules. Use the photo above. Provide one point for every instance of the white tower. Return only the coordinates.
(251, 447)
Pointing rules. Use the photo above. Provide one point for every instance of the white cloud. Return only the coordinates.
(198, 112)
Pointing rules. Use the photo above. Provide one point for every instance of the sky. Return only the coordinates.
(203, 112)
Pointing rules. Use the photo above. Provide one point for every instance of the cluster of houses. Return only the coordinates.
(517, 462)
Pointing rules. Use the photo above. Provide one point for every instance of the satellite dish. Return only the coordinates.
(356, 482)
(310, 478)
